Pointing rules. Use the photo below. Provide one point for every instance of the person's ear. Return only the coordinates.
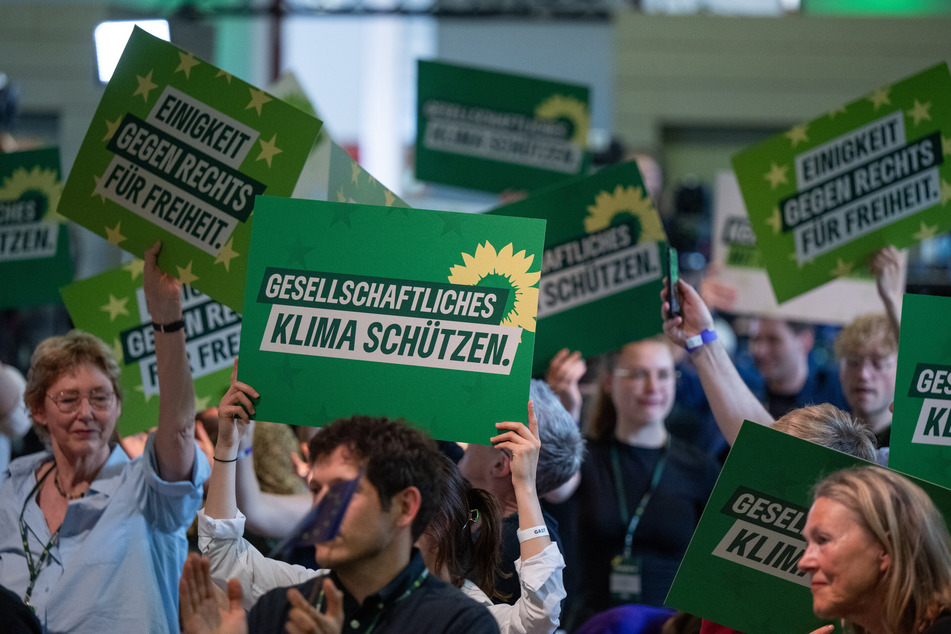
(406, 503)
(807, 339)
(884, 561)
(501, 465)
(39, 415)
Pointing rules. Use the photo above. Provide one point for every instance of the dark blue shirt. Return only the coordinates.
(414, 601)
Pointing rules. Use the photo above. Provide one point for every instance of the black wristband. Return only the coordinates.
(169, 327)
(217, 459)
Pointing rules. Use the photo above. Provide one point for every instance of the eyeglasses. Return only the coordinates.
(641, 374)
(68, 401)
(879, 364)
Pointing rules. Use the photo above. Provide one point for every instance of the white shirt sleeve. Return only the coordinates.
(232, 557)
(16, 422)
(538, 610)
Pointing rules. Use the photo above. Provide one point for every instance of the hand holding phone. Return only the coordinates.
(672, 272)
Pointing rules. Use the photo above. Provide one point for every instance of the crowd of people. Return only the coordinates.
(434, 538)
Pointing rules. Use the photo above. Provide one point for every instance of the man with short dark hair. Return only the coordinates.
(377, 580)
(780, 351)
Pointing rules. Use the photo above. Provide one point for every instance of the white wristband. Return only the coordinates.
(531, 533)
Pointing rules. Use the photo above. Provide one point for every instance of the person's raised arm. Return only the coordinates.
(523, 445)
(731, 401)
(175, 436)
(234, 415)
(888, 266)
(564, 371)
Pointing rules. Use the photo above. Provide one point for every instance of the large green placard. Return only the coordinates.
(496, 131)
(920, 441)
(112, 306)
(34, 240)
(177, 151)
(740, 568)
(602, 270)
(825, 195)
(386, 311)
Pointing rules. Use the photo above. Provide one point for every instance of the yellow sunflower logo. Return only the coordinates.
(625, 203)
(35, 182)
(503, 269)
(562, 107)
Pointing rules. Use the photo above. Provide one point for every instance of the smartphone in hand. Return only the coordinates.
(672, 272)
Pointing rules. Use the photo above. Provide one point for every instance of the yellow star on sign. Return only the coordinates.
(134, 267)
(202, 403)
(842, 269)
(920, 112)
(141, 389)
(945, 192)
(186, 63)
(341, 197)
(99, 190)
(114, 234)
(776, 175)
(835, 111)
(226, 255)
(115, 307)
(775, 220)
(222, 73)
(111, 128)
(186, 275)
(389, 197)
(794, 258)
(880, 97)
(798, 134)
(258, 99)
(146, 85)
(946, 146)
(925, 232)
(117, 350)
(354, 172)
(268, 149)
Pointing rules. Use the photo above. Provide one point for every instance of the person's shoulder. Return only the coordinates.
(454, 607)
(272, 605)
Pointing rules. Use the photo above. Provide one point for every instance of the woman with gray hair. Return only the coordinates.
(89, 539)
(879, 554)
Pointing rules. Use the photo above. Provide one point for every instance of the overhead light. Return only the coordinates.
(111, 38)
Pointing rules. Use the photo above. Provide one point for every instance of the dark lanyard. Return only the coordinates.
(36, 567)
(409, 591)
(634, 520)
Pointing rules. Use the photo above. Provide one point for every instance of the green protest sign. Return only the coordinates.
(112, 306)
(825, 195)
(750, 535)
(602, 268)
(495, 131)
(359, 309)
(920, 441)
(740, 265)
(349, 182)
(177, 151)
(34, 240)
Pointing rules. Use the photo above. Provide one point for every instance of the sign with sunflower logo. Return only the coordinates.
(386, 311)
(177, 151)
(920, 441)
(751, 533)
(34, 240)
(740, 266)
(112, 306)
(496, 131)
(825, 195)
(602, 268)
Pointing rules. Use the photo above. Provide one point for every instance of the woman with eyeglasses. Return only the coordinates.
(640, 493)
(89, 540)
